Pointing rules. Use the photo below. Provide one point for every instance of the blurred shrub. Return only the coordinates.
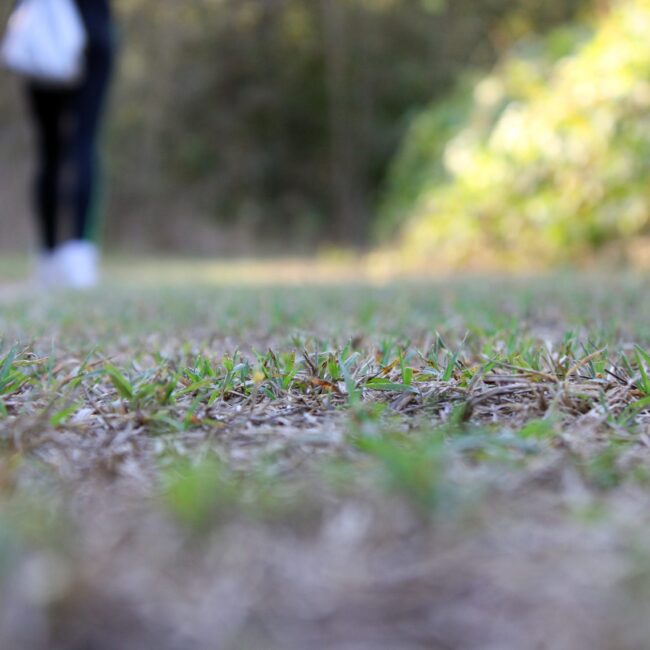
(544, 160)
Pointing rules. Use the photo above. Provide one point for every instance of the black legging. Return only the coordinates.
(67, 124)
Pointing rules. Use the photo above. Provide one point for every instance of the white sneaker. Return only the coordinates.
(77, 263)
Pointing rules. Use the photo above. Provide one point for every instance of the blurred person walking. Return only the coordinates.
(67, 115)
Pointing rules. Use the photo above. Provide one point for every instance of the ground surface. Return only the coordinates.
(239, 460)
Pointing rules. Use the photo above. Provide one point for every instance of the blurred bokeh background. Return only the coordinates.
(491, 133)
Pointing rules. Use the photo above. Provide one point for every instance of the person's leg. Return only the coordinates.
(48, 111)
(89, 106)
(78, 258)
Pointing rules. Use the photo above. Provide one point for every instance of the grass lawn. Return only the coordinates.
(282, 458)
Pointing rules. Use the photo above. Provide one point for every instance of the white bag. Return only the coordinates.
(45, 42)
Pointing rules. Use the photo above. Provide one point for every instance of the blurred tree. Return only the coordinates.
(281, 116)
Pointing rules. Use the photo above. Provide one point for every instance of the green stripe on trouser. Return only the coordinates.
(94, 227)
(96, 213)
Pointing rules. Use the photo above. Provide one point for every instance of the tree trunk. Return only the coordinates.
(345, 180)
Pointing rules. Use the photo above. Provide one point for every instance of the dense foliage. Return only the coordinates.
(282, 116)
(546, 159)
